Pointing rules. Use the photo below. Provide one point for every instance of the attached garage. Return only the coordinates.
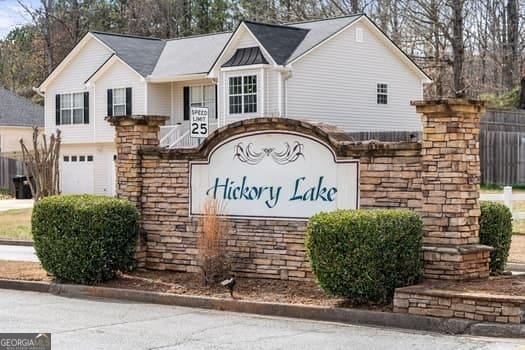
(77, 173)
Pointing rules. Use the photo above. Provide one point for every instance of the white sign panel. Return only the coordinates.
(199, 122)
(275, 175)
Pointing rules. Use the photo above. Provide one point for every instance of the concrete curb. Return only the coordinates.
(317, 313)
(16, 242)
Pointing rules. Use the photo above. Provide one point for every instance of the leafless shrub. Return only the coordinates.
(211, 242)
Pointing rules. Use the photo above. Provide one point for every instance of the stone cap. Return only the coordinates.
(438, 289)
(137, 120)
(459, 249)
(449, 105)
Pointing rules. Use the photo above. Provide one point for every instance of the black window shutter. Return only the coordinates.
(110, 102)
(86, 107)
(128, 102)
(57, 109)
(186, 103)
(216, 104)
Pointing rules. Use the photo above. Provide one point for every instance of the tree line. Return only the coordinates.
(470, 48)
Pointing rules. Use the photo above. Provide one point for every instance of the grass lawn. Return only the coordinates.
(15, 224)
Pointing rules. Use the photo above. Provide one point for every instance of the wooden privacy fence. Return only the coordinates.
(8, 169)
(502, 147)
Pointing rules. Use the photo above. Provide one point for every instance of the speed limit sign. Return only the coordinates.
(199, 122)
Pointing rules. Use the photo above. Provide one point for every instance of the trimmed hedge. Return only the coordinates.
(364, 255)
(495, 230)
(84, 238)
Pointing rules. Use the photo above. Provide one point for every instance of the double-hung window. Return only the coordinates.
(382, 94)
(71, 108)
(119, 101)
(243, 94)
(200, 96)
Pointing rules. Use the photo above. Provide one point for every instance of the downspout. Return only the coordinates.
(285, 74)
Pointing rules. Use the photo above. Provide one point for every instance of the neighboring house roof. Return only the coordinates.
(140, 53)
(16, 110)
(246, 56)
(280, 41)
(190, 55)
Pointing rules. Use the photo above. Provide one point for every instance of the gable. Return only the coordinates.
(280, 41)
(364, 22)
(241, 38)
(79, 64)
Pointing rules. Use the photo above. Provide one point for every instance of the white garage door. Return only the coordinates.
(77, 173)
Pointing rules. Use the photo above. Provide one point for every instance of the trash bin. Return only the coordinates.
(22, 188)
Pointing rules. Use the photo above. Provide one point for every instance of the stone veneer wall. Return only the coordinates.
(472, 306)
(259, 248)
(392, 175)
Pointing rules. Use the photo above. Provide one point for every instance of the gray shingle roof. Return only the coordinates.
(167, 59)
(280, 41)
(189, 55)
(16, 110)
(139, 53)
(318, 31)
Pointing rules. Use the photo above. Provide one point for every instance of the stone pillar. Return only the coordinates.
(132, 133)
(451, 176)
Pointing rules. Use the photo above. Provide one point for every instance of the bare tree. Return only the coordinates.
(41, 164)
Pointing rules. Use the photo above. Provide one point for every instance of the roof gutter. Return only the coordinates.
(184, 77)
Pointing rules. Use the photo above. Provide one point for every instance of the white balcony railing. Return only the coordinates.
(178, 136)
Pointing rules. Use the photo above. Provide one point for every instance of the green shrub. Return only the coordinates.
(364, 255)
(495, 230)
(84, 238)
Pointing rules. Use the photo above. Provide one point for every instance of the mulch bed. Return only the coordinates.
(293, 292)
(266, 290)
(21, 270)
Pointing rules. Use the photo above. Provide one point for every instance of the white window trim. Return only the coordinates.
(257, 93)
(71, 108)
(113, 104)
(246, 67)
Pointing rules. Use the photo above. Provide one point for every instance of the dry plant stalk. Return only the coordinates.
(211, 242)
(42, 164)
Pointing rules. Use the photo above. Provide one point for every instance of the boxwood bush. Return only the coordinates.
(84, 238)
(364, 255)
(495, 230)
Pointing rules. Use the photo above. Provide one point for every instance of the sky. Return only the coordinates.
(13, 15)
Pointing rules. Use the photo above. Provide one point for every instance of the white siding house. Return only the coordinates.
(343, 71)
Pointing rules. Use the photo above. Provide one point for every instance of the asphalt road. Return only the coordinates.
(108, 324)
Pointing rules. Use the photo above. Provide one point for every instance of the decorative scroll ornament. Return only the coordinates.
(247, 155)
